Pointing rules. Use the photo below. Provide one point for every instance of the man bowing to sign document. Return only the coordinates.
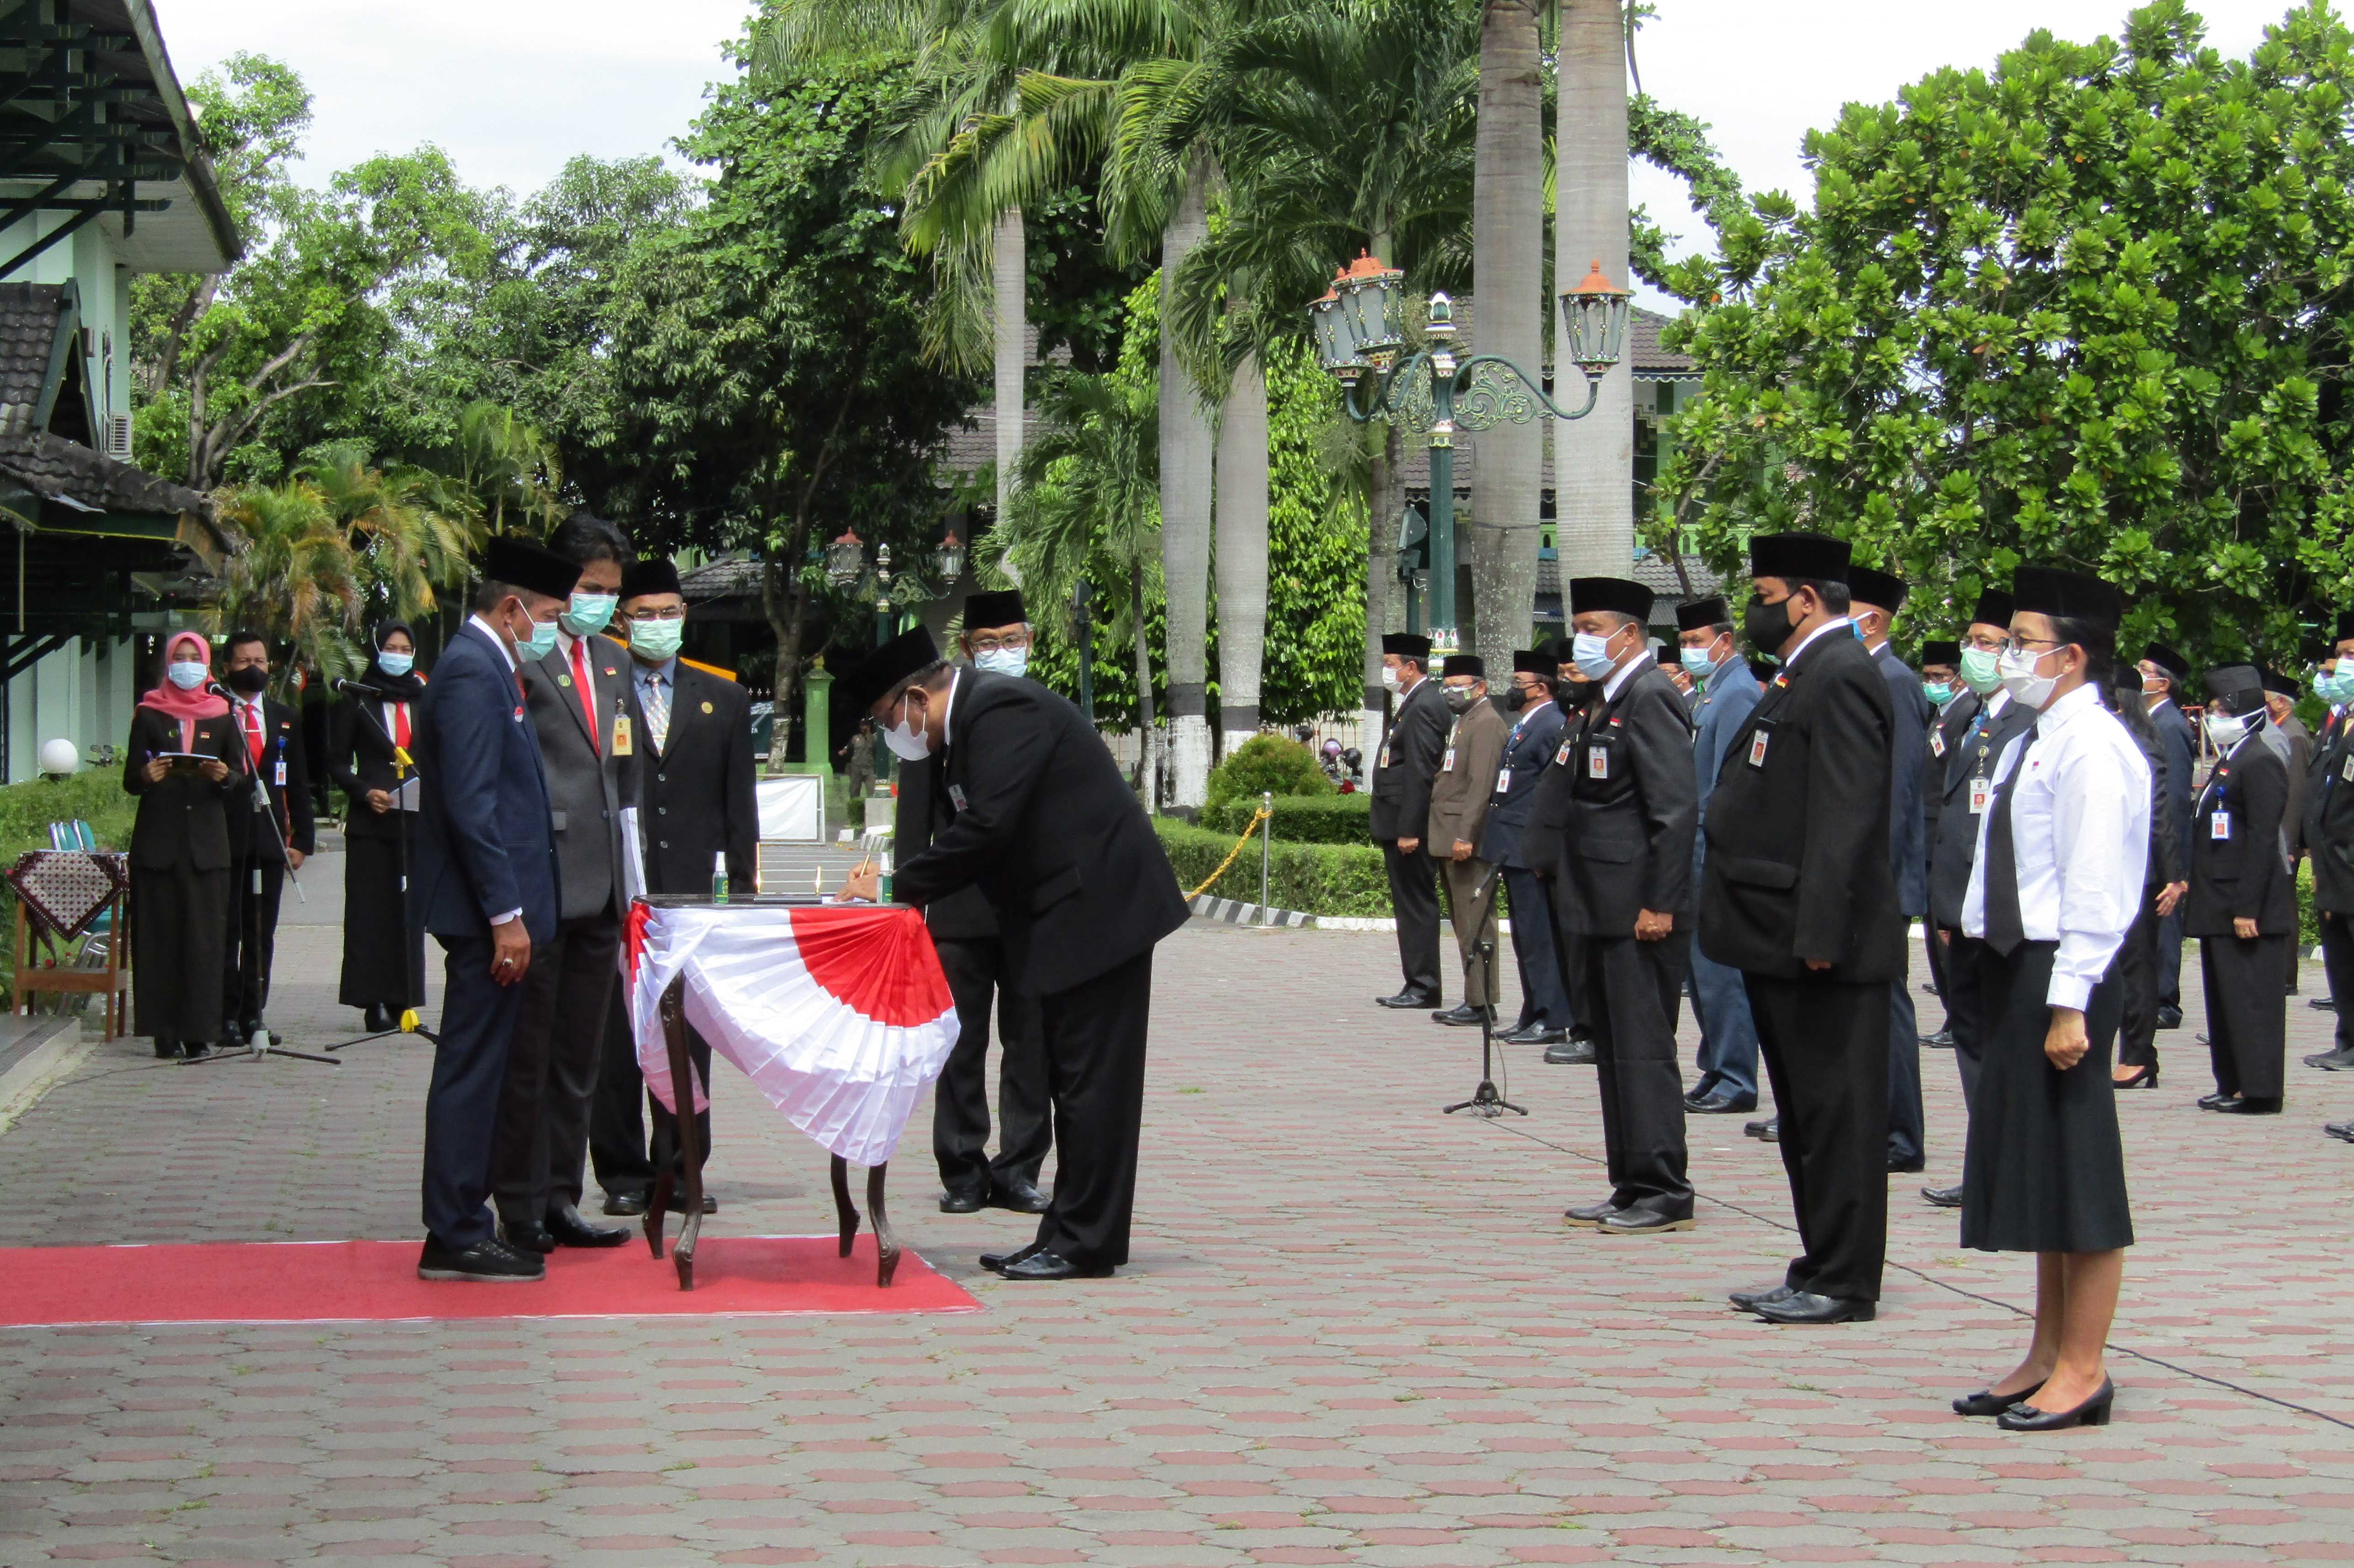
(1031, 809)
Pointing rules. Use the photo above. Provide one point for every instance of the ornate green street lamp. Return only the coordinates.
(1360, 327)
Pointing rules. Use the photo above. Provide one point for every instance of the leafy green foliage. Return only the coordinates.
(1314, 878)
(1326, 819)
(1314, 653)
(1266, 764)
(2088, 307)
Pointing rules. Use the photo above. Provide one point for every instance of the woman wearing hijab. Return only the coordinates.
(179, 765)
(360, 759)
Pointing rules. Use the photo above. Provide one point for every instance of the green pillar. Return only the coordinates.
(817, 721)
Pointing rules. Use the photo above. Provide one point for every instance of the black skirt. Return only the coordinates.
(373, 921)
(179, 918)
(2046, 1170)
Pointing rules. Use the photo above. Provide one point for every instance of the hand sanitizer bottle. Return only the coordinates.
(719, 877)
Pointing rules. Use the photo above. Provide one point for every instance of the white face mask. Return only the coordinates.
(2225, 730)
(2021, 680)
(908, 745)
(187, 673)
(1696, 662)
(1014, 662)
(1390, 677)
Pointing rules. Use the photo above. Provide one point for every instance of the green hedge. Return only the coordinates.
(1299, 819)
(1265, 762)
(2309, 927)
(1314, 878)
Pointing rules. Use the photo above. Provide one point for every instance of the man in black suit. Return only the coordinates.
(2164, 674)
(1625, 885)
(1798, 896)
(1955, 706)
(1404, 771)
(1962, 784)
(486, 887)
(1541, 844)
(1536, 731)
(1042, 822)
(973, 955)
(2242, 900)
(265, 842)
(697, 811)
(1875, 599)
(587, 720)
(2329, 836)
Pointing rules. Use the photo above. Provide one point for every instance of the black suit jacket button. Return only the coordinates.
(661, 810)
(661, 777)
(665, 843)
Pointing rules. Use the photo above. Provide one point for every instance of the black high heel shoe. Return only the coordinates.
(1984, 1402)
(2145, 1077)
(2093, 1411)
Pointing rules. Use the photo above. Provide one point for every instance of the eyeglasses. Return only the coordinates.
(1984, 642)
(2021, 644)
(670, 612)
(1009, 642)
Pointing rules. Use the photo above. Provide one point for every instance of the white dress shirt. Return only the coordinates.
(1845, 623)
(2080, 834)
(1625, 672)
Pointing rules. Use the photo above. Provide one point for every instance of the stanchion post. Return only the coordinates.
(1266, 849)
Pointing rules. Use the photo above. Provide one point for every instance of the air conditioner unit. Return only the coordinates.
(117, 437)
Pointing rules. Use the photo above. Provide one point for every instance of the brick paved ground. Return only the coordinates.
(1355, 1332)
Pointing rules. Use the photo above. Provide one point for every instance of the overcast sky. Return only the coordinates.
(510, 89)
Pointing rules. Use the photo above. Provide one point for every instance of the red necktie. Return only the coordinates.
(400, 726)
(588, 691)
(253, 731)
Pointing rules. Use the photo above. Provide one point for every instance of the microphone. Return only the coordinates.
(360, 689)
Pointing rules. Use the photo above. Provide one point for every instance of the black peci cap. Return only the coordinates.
(2345, 625)
(2279, 684)
(521, 564)
(1994, 610)
(1406, 645)
(1616, 594)
(1000, 608)
(1703, 613)
(1816, 557)
(2177, 667)
(863, 686)
(1941, 650)
(1464, 664)
(1535, 662)
(2073, 596)
(1882, 590)
(649, 574)
(2230, 680)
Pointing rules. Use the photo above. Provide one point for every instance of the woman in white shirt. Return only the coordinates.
(2057, 883)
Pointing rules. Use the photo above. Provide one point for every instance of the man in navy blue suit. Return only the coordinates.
(486, 886)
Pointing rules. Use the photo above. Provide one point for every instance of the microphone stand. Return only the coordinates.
(260, 1043)
(401, 763)
(1484, 1101)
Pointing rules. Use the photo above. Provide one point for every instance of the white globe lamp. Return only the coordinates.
(60, 756)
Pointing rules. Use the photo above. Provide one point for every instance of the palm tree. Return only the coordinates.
(1508, 289)
(411, 532)
(1594, 458)
(1086, 503)
(509, 467)
(292, 574)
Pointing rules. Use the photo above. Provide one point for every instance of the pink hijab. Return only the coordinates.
(185, 706)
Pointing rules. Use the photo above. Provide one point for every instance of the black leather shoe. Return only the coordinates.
(527, 1237)
(1638, 1221)
(1947, 1198)
(1750, 1300)
(1533, 1034)
(998, 1262)
(1570, 1052)
(1041, 1267)
(569, 1229)
(2331, 1061)
(2093, 1411)
(2343, 1130)
(1941, 1041)
(2323, 1003)
(2170, 1018)
(964, 1200)
(1590, 1214)
(1463, 1017)
(1898, 1166)
(627, 1205)
(1983, 1403)
(1582, 1033)
(484, 1263)
(1408, 998)
(2251, 1105)
(167, 1050)
(232, 1033)
(1019, 1196)
(1766, 1131)
(194, 1051)
(378, 1018)
(2216, 1101)
(1724, 1102)
(1804, 1306)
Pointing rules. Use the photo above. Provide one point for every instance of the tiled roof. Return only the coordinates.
(729, 578)
(1654, 571)
(62, 469)
(30, 316)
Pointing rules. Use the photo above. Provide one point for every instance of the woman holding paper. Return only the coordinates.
(180, 766)
(361, 761)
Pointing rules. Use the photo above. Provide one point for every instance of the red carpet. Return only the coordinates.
(375, 1281)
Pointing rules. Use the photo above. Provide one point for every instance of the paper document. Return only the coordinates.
(405, 797)
(633, 863)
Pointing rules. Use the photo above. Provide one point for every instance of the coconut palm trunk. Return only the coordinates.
(1508, 288)
(1186, 477)
(1242, 566)
(1385, 505)
(1594, 458)
(1009, 277)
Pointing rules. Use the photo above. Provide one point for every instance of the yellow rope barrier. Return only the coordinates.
(1261, 815)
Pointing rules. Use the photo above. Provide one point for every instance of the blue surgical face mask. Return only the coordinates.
(1979, 673)
(1590, 651)
(393, 663)
(541, 643)
(656, 640)
(588, 613)
(1013, 662)
(187, 674)
(2329, 685)
(1938, 692)
(1696, 662)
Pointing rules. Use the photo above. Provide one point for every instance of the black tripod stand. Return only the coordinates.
(260, 1043)
(1484, 1101)
(400, 813)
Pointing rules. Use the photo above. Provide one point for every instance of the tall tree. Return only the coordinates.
(1508, 289)
(1594, 458)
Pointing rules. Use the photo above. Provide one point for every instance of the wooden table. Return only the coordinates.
(113, 982)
